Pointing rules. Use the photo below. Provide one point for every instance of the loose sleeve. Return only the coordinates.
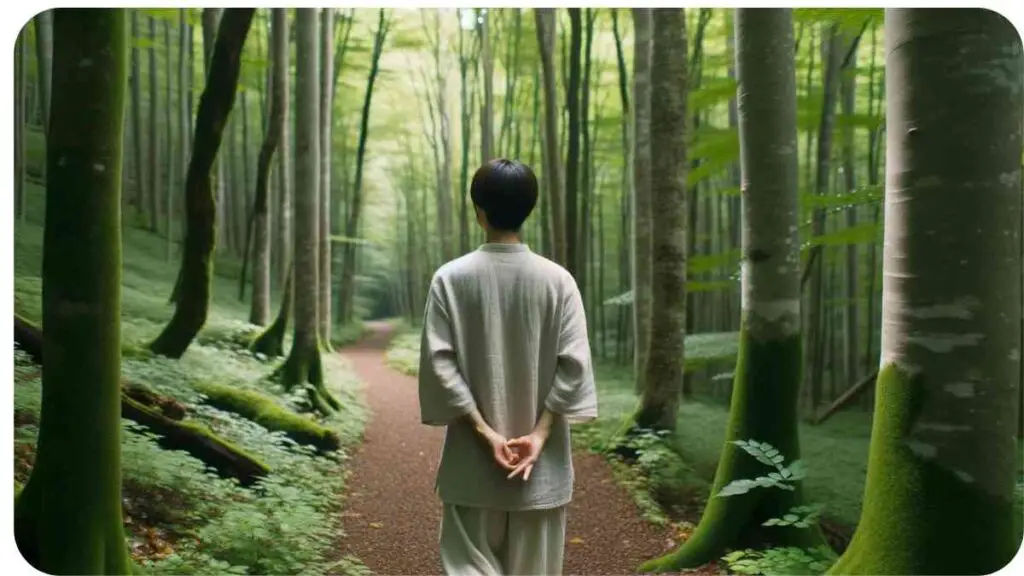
(573, 394)
(444, 394)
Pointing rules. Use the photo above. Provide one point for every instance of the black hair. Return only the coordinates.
(506, 192)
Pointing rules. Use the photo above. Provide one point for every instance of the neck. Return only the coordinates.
(496, 237)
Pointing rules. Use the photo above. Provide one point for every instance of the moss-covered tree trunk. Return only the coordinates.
(767, 379)
(259, 311)
(68, 517)
(663, 379)
(270, 342)
(326, 125)
(640, 258)
(546, 24)
(943, 446)
(303, 363)
(215, 105)
(348, 270)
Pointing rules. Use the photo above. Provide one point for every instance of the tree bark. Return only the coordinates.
(215, 106)
(259, 312)
(326, 125)
(545, 18)
(659, 402)
(303, 363)
(943, 447)
(68, 517)
(136, 107)
(44, 62)
(641, 257)
(487, 111)
(153, 184)
(764, 404)
(573, 238)
(284, 257)
(352, 225)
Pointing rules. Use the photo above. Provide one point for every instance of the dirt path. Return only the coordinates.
(392, 515)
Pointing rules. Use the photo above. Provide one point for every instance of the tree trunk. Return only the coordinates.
(642, 261)
(284, 257)
(171, 160)
(259, 312)
(814, 372)
(587, 175)
(68, 517)
(487, 111)
(303, 363)
(943, 447)
(466, 119)
(153, 187)
(352, 225)
(325, 126)
(764, 404)
(136, 107)
(573, 238)
(270, 342)
(215, 105)
(19, 127)
(552, 173)
(44, 63)
(659, 403)
(852, 318)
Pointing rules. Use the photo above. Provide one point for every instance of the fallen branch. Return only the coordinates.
(163, 416)
(851, 394)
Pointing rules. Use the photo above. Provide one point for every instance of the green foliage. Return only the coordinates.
(288, 522)
(787, 561)
(783, 560)
(404, 352)
(783, 477)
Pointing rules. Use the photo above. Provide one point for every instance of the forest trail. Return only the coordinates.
(392, 516)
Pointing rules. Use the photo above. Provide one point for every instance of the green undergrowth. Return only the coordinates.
(403, 352)
(180, 517)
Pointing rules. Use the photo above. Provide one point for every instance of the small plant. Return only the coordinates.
(786, 560)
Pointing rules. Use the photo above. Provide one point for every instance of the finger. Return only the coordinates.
(518, 470)
(503, 462)
(526, 475)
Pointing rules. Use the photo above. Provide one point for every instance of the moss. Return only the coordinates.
(303, 367)
(918, 518)
(68, 517)
(268, 413)
(764, 408)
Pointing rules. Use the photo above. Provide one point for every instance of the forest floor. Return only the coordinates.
(392, 515)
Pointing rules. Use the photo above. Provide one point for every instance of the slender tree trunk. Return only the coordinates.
(573, 238)
(641, 209)
(852, 272)
(943, 447)
(487, 112)
(153, 187)
(283, 245)
(68, 517)
(587, 174)
(764, 404)
(659, 402)
(326, 124)
(19, 126)
(465, 124)
(215, 105)
(303, 363)
(171, 160)
(552, 172)
(814, 372)
(136, 107)
(259, 312)
(352, 225)
(44, 63)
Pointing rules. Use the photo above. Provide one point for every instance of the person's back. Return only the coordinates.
(504, 356)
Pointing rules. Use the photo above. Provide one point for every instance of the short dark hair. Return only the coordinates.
(506, 191)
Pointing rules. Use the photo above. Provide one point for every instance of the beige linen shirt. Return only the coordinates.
(504, 331)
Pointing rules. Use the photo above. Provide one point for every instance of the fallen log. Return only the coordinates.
(163, 417)
(267, 412)
(229, 461)
(851, 394)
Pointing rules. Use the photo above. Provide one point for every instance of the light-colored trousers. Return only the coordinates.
(485, 542)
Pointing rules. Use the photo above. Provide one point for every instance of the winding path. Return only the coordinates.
(392, 515)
